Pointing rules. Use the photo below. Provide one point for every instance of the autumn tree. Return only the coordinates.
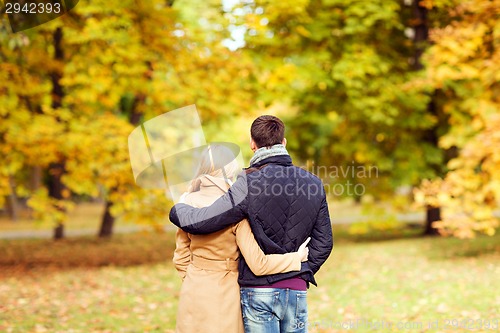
(346, 67)
(31, 127)
(98, 72)
(462, 67)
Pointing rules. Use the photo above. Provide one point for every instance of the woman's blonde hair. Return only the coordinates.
(218, 161)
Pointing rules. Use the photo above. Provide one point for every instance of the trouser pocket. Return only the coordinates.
(260, 305)
(300, 320)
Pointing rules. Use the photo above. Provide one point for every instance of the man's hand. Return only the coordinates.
(303, 250)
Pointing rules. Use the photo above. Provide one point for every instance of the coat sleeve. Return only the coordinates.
(321, 243)
(182, 253)
(228, 209)
(257, 260)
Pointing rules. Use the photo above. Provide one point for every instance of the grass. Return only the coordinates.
(409, 282)
(128, 284)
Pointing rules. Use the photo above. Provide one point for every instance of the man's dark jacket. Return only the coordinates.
(284, 205)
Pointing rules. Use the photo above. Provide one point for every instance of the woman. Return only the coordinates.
(208, 264)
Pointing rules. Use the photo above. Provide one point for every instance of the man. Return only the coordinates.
(284, 205)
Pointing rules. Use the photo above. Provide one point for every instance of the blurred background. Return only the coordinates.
(395, 104)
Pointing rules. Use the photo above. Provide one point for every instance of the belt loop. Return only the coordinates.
(227, 264)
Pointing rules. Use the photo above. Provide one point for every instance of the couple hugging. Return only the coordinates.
(241, 250)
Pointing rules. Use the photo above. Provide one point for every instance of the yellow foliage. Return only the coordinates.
(464, 62)
(470, 192)
(47, 209)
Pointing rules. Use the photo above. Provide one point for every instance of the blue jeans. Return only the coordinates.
(272, 310)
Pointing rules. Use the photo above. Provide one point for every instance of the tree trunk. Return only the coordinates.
(433, 215)
(35, 178)
(421, 38)
(56, 170)
(12, 203)
(56, 187)
(107, 222)
(59, 231)
(421, 28)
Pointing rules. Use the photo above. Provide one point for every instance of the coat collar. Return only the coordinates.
(209, 181)
(284, 160)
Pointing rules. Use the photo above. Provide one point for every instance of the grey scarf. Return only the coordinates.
(265, 152)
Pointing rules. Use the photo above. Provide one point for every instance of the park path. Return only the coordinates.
(47, 234)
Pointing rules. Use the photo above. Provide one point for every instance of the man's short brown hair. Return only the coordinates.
(267, 131)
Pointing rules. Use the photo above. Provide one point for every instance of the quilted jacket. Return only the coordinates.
(284, 205)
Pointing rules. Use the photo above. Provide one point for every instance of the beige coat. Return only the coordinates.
(208, 264)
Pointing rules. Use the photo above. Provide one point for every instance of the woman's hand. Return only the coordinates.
(303, 250)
